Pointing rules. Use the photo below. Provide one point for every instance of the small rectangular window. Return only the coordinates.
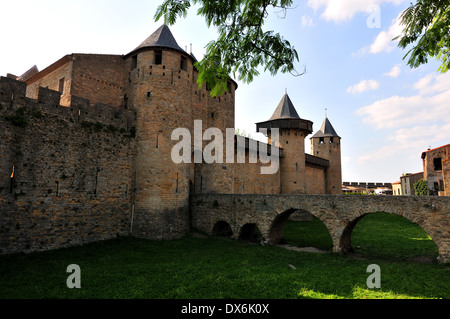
(321, 140)
(437, 164)
(158, 57)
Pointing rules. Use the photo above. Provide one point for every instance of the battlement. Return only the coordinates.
(48, 102)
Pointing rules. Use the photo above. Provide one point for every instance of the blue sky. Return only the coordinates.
(385, 112)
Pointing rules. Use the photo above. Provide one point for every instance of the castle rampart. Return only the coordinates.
(66, 172)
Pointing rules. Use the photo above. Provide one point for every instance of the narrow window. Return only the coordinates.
(57, 188)
(158, 57)
(12, 99)
(331, 140)
(125, 101)
(212, 114)
(437, 164)
(183, 63)
(149, 94)
(296, 167)
(157, 140)
(176, 190)
(133, 62)
(321, 140)
(96, 180)
(11, 180)
(61, 85)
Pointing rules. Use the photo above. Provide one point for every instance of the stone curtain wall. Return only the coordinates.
(65, 172)
(338, 212)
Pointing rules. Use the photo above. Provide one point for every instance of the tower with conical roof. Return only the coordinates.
(326, 143)
(292, 133)
(160, 85)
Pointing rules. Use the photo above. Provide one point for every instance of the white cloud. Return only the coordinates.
(307, 21)
(342, 10)
(398, 111)
(364, 85)
(395, 71)
(417, 121)
(433, 83)
(409, 143)
(384, 41)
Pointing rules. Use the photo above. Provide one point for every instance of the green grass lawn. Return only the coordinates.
(216, 267)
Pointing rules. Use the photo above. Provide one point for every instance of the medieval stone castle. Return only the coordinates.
(85, 148)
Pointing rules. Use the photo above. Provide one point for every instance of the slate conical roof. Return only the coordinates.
(285, 117)
(326, 130)
(285, 109)
(162, 37)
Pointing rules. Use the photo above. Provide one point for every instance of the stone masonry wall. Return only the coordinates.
(98, 78)
(315, 180)
(65, 172)
(235, 178)
(446, 175)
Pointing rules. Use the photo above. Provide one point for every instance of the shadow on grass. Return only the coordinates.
(209, 268)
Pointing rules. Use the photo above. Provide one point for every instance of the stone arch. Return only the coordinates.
(222, 228)
(345, 243)
(278, 224)
(250, 232)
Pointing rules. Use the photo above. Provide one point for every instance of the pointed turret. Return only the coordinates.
(326, 130)
(161, 38)
(292, 133)
(326, 143)
(285, 109)
(286, 117)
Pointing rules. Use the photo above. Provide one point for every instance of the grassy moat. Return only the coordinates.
(207, 267)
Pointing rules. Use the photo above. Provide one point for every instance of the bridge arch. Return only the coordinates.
(345, 244)
(222, 228)
(278, 225)
(250, 232)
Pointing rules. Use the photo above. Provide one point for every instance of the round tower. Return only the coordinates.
(292, 133)
(158, 86)
(326, 144)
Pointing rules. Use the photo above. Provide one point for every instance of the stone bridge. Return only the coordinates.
(214, 213)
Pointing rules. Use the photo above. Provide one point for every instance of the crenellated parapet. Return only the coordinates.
(13, 98)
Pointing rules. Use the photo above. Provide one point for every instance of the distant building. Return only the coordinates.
(367, 188)
(436, 169)
(407, 183)
(397, 188)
